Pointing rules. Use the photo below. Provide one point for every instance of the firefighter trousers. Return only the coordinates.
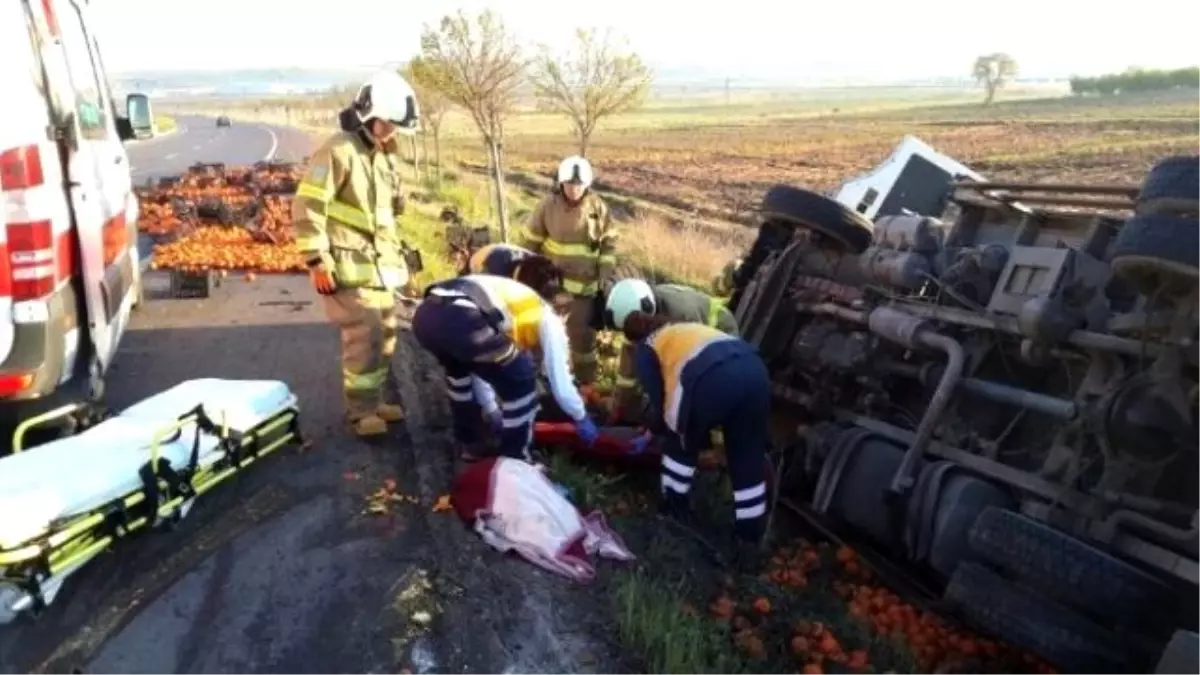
(466, 345)
(366, 320)
(582, 337)
(735, 397)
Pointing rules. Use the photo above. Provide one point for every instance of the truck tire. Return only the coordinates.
(1151, 246)
(1181, 654)
(1075, 572)
(1171, 188)
(804, 208)
(1029, 620)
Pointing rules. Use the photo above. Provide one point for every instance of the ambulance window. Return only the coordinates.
(89, 101)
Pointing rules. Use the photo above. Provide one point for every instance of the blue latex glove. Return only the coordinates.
(640, 443)
(587, 431)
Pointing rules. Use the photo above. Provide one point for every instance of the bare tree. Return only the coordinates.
(483, 68)
(993, 71)
(428, 78)
(600, 77)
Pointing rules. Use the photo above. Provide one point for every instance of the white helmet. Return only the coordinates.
(387, 96)
(575, 169)
(626, 297)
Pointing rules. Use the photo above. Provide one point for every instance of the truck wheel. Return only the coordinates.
(772, 236)
(1180, 654)
(1153, 248)
(1171, 188)
(1075, 572)
(804, 208)
(1031, 621)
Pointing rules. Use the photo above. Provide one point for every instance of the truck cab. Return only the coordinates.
(69, 271)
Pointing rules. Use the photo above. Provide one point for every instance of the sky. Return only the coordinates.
(875, 40)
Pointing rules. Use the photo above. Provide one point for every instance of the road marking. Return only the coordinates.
(197, 146)
(173, 155)
(274, 144)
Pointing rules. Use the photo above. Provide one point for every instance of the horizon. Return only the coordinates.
(229, 36)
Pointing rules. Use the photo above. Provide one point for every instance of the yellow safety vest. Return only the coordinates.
(676, 345)
(521, 307)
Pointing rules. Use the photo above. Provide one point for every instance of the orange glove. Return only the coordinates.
(322, 280)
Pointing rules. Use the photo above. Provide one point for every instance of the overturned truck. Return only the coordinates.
(996, 385)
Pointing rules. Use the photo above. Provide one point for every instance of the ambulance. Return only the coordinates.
(69, 269)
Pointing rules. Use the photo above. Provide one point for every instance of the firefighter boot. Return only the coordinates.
(369, 425)
(390, 412)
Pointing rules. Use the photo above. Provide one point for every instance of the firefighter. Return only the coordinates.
(573, 228)
(482, 329)
(699, 379)
(671, 301)
(346, 215)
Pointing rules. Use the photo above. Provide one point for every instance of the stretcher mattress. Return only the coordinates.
(72, 476)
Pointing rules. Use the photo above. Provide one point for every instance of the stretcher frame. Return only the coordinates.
(32, 574)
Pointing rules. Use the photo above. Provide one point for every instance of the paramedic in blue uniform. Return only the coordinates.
(699, 379)
(482, 329)
(501, 260)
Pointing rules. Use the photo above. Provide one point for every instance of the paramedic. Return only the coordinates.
(346, 214)
(482, 329)
(673, 302)
(501, 260)
(699, 379)
(574, 229)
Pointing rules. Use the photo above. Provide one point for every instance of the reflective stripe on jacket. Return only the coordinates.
(580, 239)
(346, 213)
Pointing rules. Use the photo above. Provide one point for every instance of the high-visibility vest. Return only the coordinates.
(498, 259)
(676, 346)
(510, 306)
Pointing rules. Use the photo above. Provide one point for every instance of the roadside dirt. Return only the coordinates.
(284, 569)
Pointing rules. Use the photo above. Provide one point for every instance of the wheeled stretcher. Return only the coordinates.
(65, 502)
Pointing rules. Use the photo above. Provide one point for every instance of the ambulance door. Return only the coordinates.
(100, 188)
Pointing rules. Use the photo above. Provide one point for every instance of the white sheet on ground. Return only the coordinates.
(75, 475)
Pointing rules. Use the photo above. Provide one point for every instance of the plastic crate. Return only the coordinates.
(186, 285)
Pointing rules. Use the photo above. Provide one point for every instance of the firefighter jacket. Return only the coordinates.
(346, 213)
(498, 259)
(672, 359)
(683, 304)
(580, 240)
(516, 310)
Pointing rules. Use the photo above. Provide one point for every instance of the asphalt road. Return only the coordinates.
(199, 139)
(282, 569)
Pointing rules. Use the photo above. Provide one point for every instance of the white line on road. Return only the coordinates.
(274, 144)
(173, 155)
(197, 146)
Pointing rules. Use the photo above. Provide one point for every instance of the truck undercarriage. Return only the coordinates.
(1001, 390)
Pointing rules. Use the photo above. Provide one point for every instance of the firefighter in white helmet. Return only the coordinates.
(678, 304)
(346, 214)
(572, 227)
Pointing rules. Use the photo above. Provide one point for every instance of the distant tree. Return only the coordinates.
(598, 78)
(428, 78)
(1137, 80)
(483, 69)
(993, 71)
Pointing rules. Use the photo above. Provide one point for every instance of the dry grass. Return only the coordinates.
(684, 251)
